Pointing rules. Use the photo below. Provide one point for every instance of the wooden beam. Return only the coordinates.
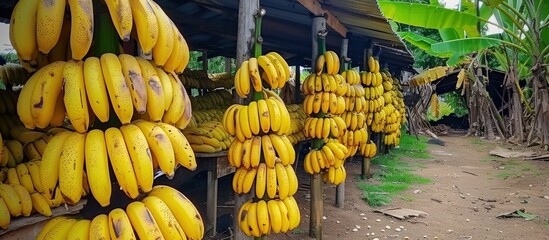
(315, 7)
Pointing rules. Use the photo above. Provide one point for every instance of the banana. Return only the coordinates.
(50, 224)
(177, 107)
(24, 196)
(79, 230)
(40, 204)
(285, 223)
(120, 226)
(248, 180)
(96, 89)
(182, 150)
(253, 75)
(252, 220)
(12, 200)
(81, 33)
(166, 87)
(253, 114)
(262, 212)
(135, 80)
(164, 218)
(49, 165)
(75, 99)
(185, 54)
(24, 177)
(264, 115)
(61, 230)
(140, 156)
(23, 29)
(281, 149)
(155, 92)
(177, 54)
(44, 95)
(281, 73)
(293, 212)
(15, 149)
(71, 167)
(34, 171)
(275, 218)
(243, 218)
(99, 227)
(49, 22)
(165, 43)
(142, 221)
(275, 114)
(121, 15)
(269, 153)
(146, 24)
(292, 180)
(271, 182)
(261, 180)
(12, 176)
(246, 153)
(319, 67)
(97, 166)
(235, 153)
(121, 162)
(282, 180)
(185, 212)
(119, 92)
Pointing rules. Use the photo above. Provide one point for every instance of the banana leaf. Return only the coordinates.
(423, 43)
(492, 3)
(469, 45)
(426, 16)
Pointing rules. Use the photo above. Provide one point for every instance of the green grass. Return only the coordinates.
(395, 175)
(477, 141)
(513, 168)
(407, 198)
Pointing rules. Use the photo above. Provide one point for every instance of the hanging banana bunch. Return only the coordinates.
(394, 109)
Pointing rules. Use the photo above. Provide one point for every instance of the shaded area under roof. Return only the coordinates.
(211, 25)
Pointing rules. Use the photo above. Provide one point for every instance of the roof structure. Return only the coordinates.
(211, 25)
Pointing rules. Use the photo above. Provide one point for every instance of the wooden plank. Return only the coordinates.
(315, 7)
(340, 189)
(18, 225)
(211, 202)
(211, 155)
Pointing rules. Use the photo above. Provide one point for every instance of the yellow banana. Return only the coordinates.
(96, 89)
(24, 177)
(45, 94)
(12, 176)
(185, 212)
(120, 226)
(319, 67)
(75, 99)
(155, 92)
(23, 29)
(262, 212)
(164, 218)
(270, 70)
(275, 218)
(146, 24)
(119, 92)
(97, 166)
(275, 114)
(244, 123)
(121, 15)
(261, 180)
(253, 75)
(24, 196)
(293, 212)
(79, 230)
(185, 54)
(61, 230)
(235, 153)
(135, 80)
(248, 180)
(252, 220)
(271, 182)
(166, 87)
(81, 33)
(160, 145)
(50, 224)
(165, 43)
(243, 218)
(253, 114)
(15, 149)
(285, 223)
(176, 55)
(71, 167)
(282, 180)
(269, 153)
(177, 107)
(264, 115)
(49, 22)
(182, 150)
(142, 221)
(49, 165)
(34, 171)
(12, 200)
(121, 162)
(281, 149)
(140, 156)
(59, 112)
(281, 73)
(99, 227)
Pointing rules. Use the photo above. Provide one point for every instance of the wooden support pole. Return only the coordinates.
(340, 189)
(211, 196)
(244, 45)
(228, 64)
(365, 168)
(297, 80)
(205, 61)
(317, 201)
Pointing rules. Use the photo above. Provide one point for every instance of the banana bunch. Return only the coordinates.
(326, 102)
(13, 74)
(164, 213)
(332, 126)
(134, 151)
(208, 137)
(41, 33)
(271, 148)
(275, 181)
(264, 115)
(353, 139)
(219, 98)
(24, 174)
(128, 83)
(325, 83)
(335, 175)
(393, 119)
(202, 80)
(202, 116)
(271, 216)
(7, 123)
(331, 60)
(16, 200)
(351, 76)
(368, 149)
(354, 120)
(297, 116)
(374, 94)
(26, 145)
(356, 102)
(275, 72)
(332, 154)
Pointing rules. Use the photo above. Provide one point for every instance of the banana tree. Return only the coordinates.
(523, 43)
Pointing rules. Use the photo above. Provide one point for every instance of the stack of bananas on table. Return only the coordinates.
(373, 88)
(164, 213)
(297, 116)
(25, 145)
(208, 137)
(134, 151)
(131, 84)
(354, 116)
(202, 80)
(261, 151)
(218, 99)
(41, 33)
(394, 118)
(324, 102)
(275, 73)
(202, 116)
(13, 74)
(368, 149)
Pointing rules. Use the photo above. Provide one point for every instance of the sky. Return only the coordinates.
(6, 46)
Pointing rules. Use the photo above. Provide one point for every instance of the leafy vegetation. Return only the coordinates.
(394, 174)
(215, 64)
(10, 57)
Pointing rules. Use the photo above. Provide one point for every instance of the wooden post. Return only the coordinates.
(317, 201)
(244, 44)
(340, 189)
(228, 65)
(297, 80)
(205, 61)
(211, 195)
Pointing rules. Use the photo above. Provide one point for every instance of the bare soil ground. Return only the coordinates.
(488, 185)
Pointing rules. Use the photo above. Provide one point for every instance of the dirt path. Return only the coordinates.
(489, 186)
